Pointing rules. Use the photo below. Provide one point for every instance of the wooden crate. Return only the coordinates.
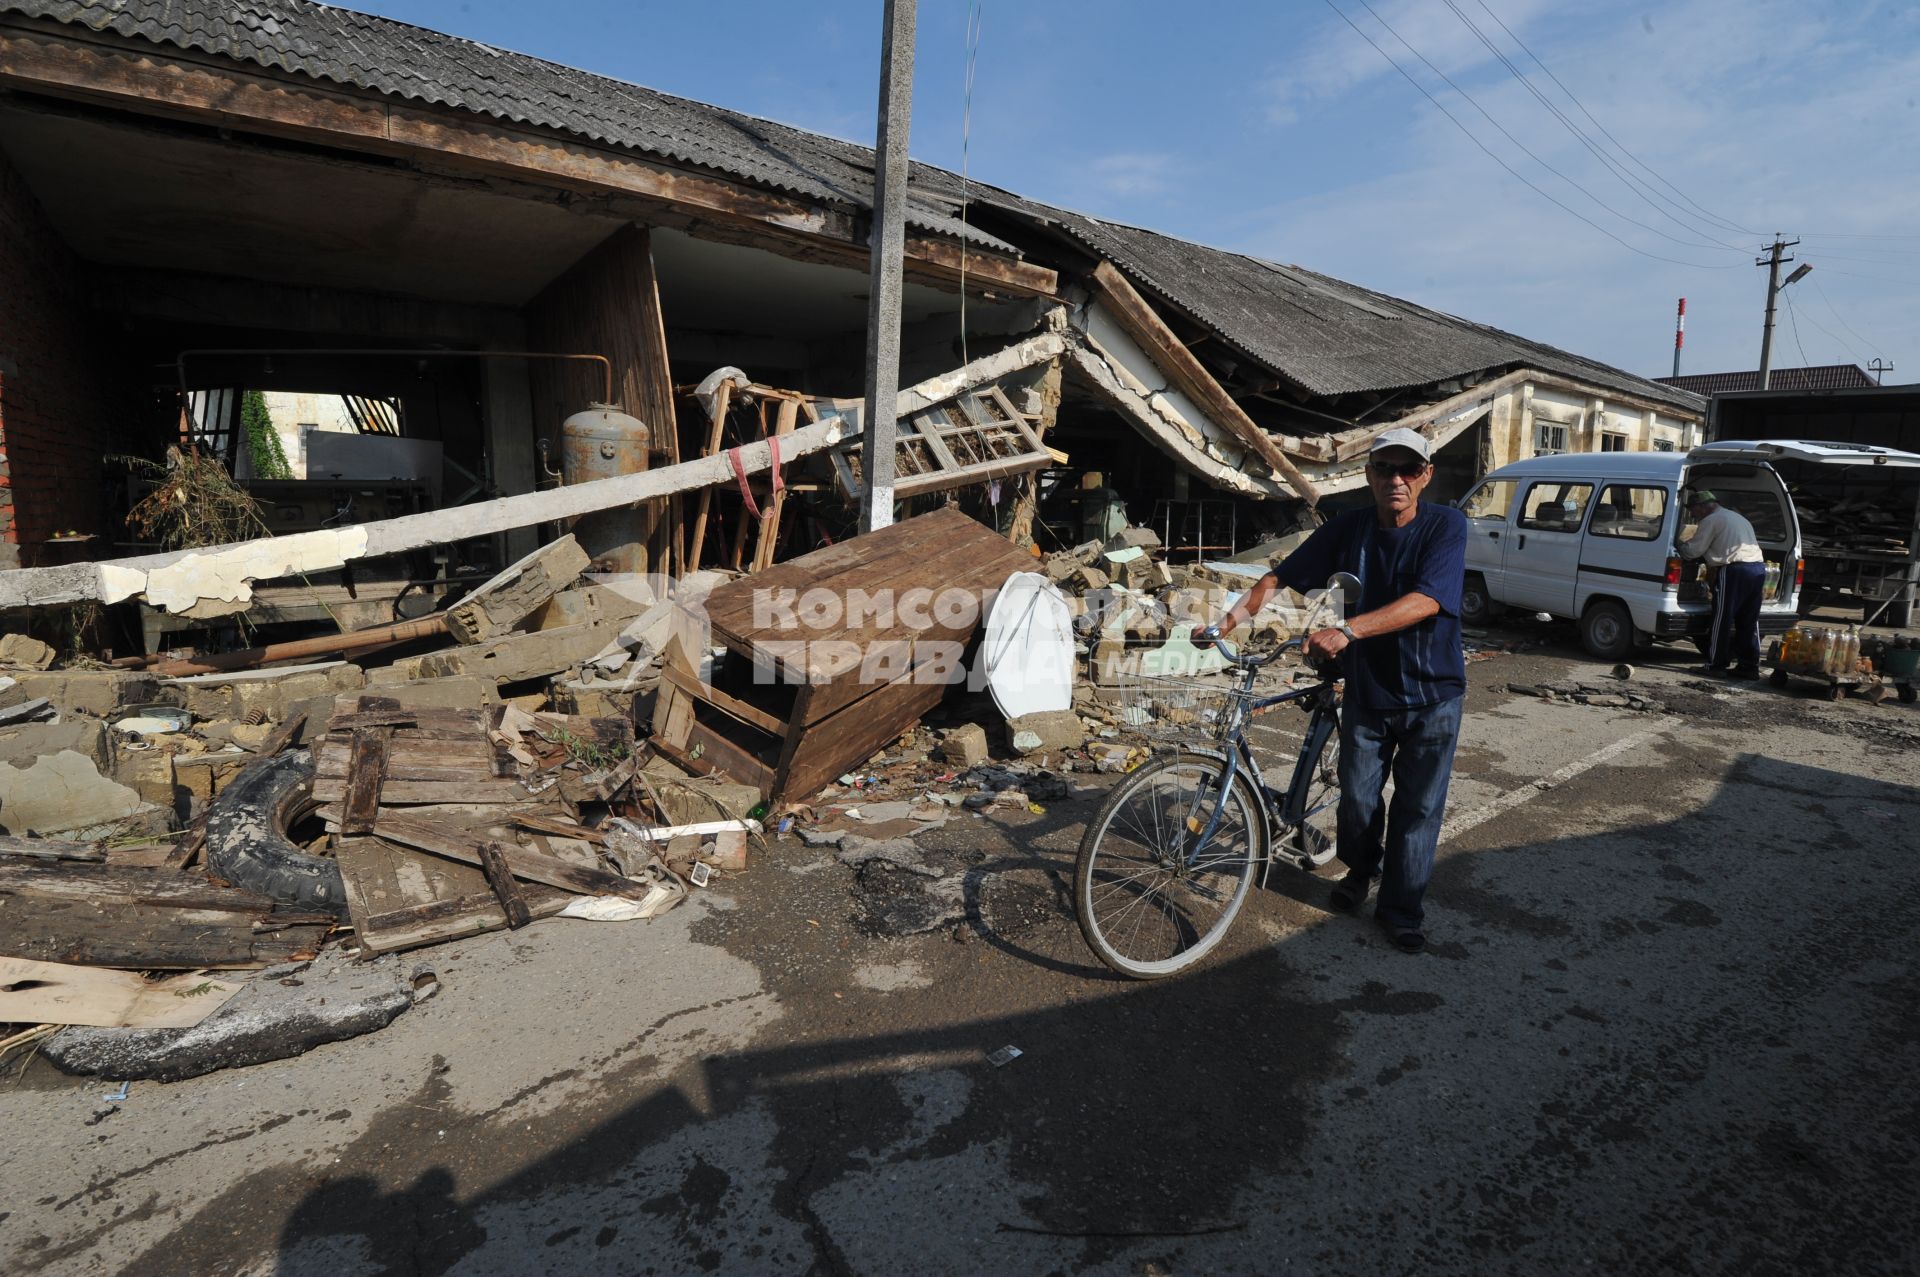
(791, 736)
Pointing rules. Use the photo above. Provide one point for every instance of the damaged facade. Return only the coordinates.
(187, 186)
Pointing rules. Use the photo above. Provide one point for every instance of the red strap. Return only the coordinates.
(740, 473)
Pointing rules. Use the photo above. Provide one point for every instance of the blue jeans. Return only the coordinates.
(1395, 839)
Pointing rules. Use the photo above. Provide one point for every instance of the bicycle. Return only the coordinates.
(1168, 859)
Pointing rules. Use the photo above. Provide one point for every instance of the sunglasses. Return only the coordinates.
(1404, 469)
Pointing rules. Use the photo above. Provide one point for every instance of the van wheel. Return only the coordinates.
(1606, 631)
(1476, 605)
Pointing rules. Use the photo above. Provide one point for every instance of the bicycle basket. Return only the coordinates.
(1163, 707)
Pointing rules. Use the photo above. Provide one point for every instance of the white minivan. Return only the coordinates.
(1590, 537)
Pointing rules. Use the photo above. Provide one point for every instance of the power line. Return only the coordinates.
(1793, 316)
(1633, 184)
(1474, 138)
(1522, 145)
(1843, 322)
(1605, 132)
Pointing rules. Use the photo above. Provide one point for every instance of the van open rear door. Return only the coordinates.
(1808, 450)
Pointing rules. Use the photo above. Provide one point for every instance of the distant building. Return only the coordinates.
(1819, 377)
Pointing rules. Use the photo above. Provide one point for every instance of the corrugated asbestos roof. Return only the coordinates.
(1326, 336)
(358, 50)
(1816, 377)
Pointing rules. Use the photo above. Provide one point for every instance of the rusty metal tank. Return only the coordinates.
(602, 443)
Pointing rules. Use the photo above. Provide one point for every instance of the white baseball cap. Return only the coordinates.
(1401, 437)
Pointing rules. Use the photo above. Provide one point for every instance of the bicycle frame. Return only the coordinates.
(1239, 753)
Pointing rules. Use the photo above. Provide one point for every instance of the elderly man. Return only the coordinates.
(1406, 675)
(1724, 539)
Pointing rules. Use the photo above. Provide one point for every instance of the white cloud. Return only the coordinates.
(1132, 173)
(1774, 115)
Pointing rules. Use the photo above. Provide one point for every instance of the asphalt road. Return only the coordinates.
(1665, 1023)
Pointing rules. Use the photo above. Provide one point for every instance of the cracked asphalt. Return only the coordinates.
(1664, 1024)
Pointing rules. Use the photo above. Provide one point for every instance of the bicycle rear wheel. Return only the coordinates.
(1147, 905)
(1311, 841)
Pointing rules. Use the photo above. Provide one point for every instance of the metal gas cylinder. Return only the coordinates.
(602, 443)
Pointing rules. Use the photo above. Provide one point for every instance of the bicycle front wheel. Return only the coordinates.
(1151, 900)
(1309, 838)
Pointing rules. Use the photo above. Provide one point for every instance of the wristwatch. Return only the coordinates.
(1348, 631)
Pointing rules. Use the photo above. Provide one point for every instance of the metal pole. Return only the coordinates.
(888, 237)
(1679, 335)
(1772, 262)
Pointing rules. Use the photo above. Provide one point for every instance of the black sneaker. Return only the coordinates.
(1405, 939)
(1747, 674)
(1351, 891)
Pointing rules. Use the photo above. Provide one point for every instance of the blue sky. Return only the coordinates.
(1275, 129)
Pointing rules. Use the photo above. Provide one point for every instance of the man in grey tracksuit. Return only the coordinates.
(1725, 540)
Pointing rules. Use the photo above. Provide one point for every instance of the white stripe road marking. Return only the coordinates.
(1459, 824)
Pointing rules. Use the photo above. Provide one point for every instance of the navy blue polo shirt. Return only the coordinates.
(1420, 665)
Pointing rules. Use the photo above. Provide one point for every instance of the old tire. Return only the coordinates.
(1606, 630)
(1476, 605)
(247, 841)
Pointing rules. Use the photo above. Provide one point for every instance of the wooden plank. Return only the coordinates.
(187, 848)
(770, 527)
(500, 604)
(282, 736)
(141, 918)
(703, 504)
(553, 825)
(49, 849)
(334, 789)
(728, 757)
(410, 758)
(443, 920)
(34, 992)
(464, 846)
(513, 901)
(366, 772)
(1171, 356)
(852, 736)
(749, 714)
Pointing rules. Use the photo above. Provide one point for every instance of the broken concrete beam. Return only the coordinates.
(19, 649)
(499, 605)
(508, 659)
(62, 792)
(181, 579)
(333, 999)
(590, 605)
(1046, 731)
(1087, 579)
(965, 745)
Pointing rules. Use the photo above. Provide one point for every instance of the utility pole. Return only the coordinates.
(1772, 262)
(888, 238)
(1879, 368)
(1679, 335)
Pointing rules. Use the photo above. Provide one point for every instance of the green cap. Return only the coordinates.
(1701, 496)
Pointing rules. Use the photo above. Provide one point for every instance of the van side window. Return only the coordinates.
(1628, 511)
(1491, 500)
(1553, 506)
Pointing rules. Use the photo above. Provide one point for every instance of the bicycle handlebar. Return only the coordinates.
(1245, 661)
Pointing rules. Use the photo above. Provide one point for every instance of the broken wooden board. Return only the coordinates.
(463, 845)
(34, 992)
(49, 849)
(366, 773)
(399, 899)
(501, 604)
(145, 919)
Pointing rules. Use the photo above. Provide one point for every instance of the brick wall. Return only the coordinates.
(58, 403)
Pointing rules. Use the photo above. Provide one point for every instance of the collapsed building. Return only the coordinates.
(202, 200)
